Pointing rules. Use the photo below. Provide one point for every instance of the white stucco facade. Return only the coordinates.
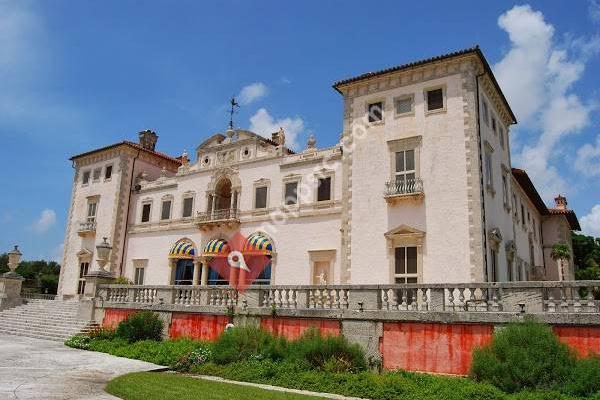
(419, 189)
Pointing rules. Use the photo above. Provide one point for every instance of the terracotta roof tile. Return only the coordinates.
(130, 144)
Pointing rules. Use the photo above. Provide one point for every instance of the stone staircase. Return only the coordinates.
(44, 319)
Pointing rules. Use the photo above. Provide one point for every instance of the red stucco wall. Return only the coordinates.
(293, 328)
(584, 340)
(112, 316)
(197, 326)
(441, 348)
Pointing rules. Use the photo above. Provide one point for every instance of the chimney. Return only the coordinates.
(560, 202)
(148, 139)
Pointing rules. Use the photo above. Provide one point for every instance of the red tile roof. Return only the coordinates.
(473, 50)
(136, 146)
(571, 217)
(523, 179)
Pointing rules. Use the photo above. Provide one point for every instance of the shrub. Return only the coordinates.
(101, 333)
(78, 342)
(242, 343)
(585, 377)
(524, 355)
(144, 325)
(329, 353)
(121, 280)
(194, 358)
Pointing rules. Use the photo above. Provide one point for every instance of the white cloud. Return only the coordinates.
(588, 159)
(594, 10)
(590, 223)
(57, 253)
(264, 124)
(537, 75)
(46, 220)
(252, 93)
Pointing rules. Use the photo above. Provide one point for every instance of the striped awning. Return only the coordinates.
(258, 244)
(182, 249)
(215, 247)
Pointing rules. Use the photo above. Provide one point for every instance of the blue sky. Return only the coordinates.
(75, 75)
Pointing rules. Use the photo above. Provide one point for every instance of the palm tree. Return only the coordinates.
(560, 253)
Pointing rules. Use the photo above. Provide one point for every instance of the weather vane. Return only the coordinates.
(234, 104)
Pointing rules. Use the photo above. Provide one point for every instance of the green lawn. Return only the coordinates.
(167, 386)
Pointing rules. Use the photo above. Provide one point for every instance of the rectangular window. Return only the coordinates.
(85, 179)
(91, 211)
(404, 105)
(494, 266)
(405, 167)
(146, 212)
(502, 138)
(139, 276)
(405, 265)
(97, 173)
(486, 113)
(188, 207)
(522, 214)
(324, 190)
(489, 180)
(505, 190)
(435, 99)
(260, 200)
(509, 269)
(375, 112)
(494, 125)
(515, 210)
(291, 193)
(165, 212)
(83, 271)
(108, 172)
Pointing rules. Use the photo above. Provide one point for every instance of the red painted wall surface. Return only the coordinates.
(293, 328)
(441, 348)
(112, 316)
(584, 340)
(197, 326)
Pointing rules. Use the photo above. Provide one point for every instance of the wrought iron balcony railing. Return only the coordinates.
(87, 227)
(403, 187)
(227, 215)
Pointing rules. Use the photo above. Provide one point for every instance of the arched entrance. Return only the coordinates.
(259, 243)
(223, 194)
(182, 260)
(215, 248)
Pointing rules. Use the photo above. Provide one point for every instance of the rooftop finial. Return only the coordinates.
(233, 104)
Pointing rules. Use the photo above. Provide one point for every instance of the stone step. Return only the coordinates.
(50, 325)
(27, 333)
(53, 313)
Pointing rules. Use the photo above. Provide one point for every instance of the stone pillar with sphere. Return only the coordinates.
(10, 282)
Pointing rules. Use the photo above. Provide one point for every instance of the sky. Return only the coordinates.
(78, 75)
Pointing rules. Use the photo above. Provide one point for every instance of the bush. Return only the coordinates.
(521, 356)
(585, 377)
(78, 342)
(242, 343)
(144, 325)
(194, 358)
(329, 353)
(101, 333)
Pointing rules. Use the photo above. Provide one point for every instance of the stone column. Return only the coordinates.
(231, 202)
(214, 205)
(172, 270)
(204, 279)
(197, 266)
(10, 291)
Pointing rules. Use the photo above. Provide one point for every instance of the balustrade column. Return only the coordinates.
(214, 205)
(204, 279)
(231, 201)
(197, 266)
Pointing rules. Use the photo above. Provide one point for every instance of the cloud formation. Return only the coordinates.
(594, 11)
(537, 75)
(264, 124)
(590, 223)
(588, 159)
(253, 92)
(46, 220)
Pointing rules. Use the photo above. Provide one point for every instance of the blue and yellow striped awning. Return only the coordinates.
(182, 249)
(258, 244)
(215, 247)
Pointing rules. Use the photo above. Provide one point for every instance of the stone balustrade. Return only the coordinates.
(580, 297)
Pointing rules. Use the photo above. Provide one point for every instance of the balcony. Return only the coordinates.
(401, 189)
(226, 217)
(87, 228)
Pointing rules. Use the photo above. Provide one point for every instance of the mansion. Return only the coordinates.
(419, 189)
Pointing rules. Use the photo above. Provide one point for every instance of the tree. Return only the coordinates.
(3, 263)
(560, 253)
(586, 251)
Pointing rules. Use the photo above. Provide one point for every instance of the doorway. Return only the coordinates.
(184, 272)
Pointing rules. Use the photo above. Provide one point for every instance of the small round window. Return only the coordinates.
(206, 160)
(246, 151)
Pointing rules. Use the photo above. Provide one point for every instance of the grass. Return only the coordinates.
(167, 386)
